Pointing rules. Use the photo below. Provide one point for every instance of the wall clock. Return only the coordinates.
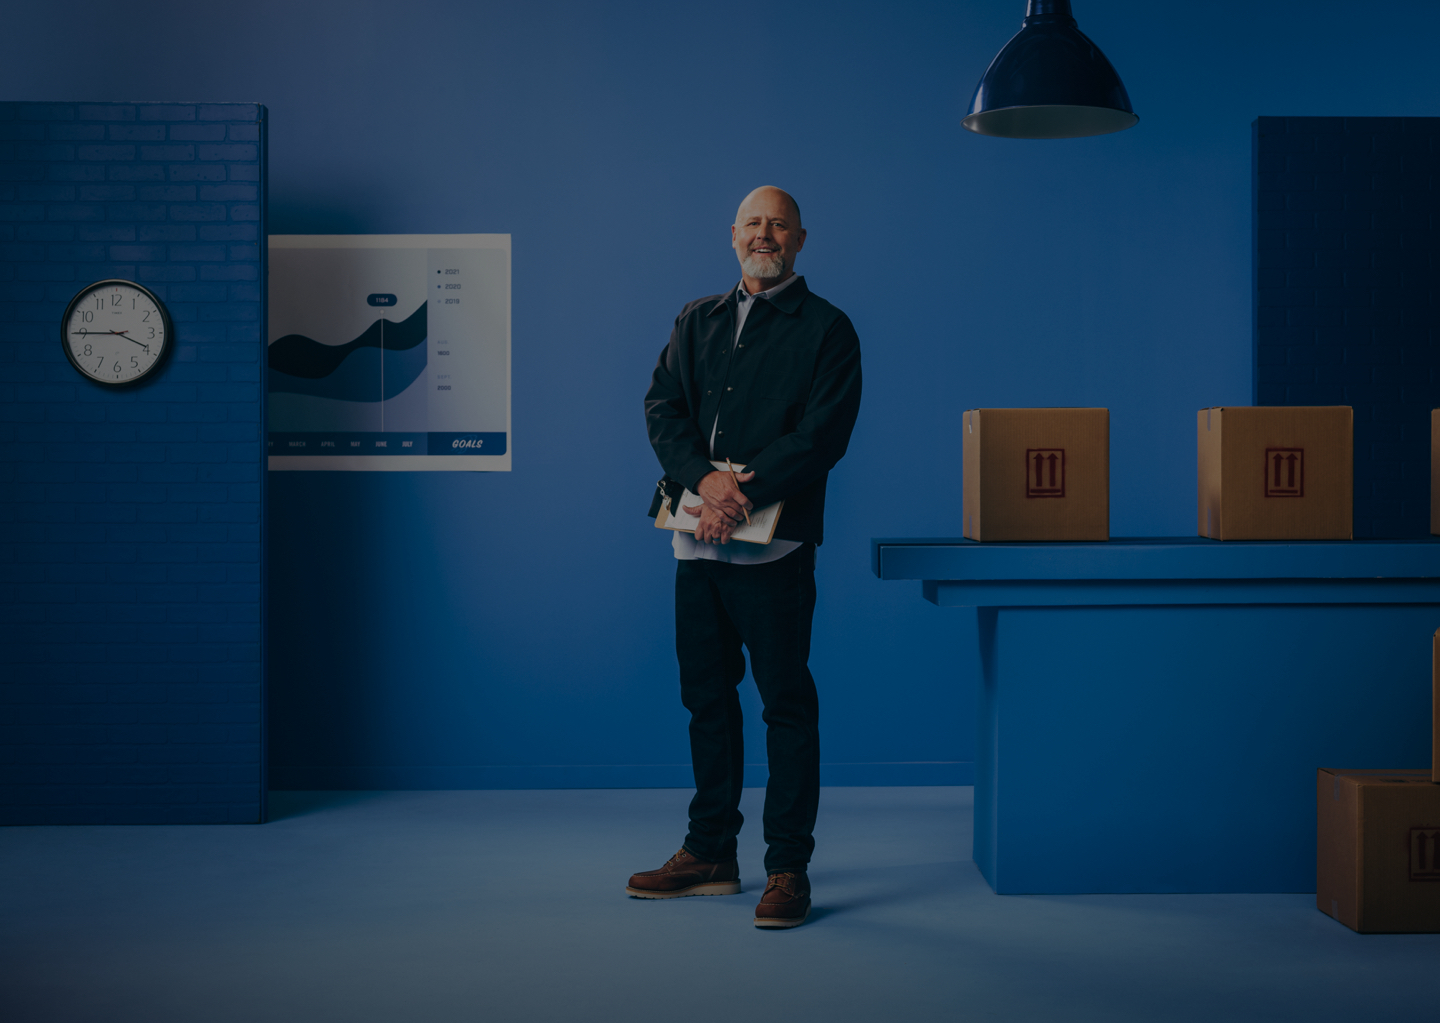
(116, 333)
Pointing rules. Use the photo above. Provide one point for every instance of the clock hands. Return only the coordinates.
(122, 333)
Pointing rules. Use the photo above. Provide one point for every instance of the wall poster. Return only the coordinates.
(389, 352)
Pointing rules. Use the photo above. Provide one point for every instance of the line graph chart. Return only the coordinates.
(389, 352)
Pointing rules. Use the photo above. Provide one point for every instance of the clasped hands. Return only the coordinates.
(724, 506)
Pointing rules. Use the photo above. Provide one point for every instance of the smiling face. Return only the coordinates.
(766, 237)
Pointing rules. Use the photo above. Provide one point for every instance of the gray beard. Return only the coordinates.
(763, 266)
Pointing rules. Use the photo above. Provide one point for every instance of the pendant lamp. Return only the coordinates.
(1049, 82)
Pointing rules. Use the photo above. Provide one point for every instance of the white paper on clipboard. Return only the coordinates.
(760, 529)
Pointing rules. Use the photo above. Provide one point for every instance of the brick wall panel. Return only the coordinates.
(131, 644)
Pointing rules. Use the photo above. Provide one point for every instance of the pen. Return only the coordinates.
(737, 487)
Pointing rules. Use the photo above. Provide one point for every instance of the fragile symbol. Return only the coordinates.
(1425, 854)
(1284, 472)
(1045, 472)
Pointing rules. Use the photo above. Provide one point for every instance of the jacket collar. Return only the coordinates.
(788, 301)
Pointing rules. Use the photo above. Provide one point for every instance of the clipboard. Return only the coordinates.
(760, 529)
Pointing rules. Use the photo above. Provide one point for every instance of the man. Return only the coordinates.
(767, 375)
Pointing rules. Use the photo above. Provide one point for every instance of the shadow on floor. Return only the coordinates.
(283, 805)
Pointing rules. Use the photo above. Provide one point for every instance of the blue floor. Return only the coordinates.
(508, 905)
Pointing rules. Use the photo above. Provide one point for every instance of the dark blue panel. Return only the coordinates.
(1344, 206)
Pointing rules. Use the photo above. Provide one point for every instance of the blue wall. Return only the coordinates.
(423, 632)
(1346, 251)
(131, 560)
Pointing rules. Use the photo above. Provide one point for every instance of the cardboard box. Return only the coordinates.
(1037, 474)
(1276, 472)
(1378, 862)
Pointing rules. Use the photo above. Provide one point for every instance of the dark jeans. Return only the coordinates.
(768, 609)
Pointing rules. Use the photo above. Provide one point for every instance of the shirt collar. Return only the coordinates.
(745, 296)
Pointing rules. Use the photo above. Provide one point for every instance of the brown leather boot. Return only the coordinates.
(685, 874)
(786, 902)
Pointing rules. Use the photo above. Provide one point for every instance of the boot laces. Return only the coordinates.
(785, 881)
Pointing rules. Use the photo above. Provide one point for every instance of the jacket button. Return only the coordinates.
(719, 433)
(709, 392)
(739, 346)
(729, 388)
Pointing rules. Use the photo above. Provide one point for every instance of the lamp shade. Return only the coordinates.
(1049, 82)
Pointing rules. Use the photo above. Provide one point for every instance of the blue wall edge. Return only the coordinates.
(595, 776)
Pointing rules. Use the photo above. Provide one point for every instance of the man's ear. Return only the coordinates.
(799, 239)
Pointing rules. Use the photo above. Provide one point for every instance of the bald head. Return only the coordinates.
(768, 197)
(766, 237)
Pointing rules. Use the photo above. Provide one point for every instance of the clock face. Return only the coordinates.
(116, 332)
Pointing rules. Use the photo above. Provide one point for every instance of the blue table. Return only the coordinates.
(1153, 710)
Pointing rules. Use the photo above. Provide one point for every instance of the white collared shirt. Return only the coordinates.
(736, 552)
